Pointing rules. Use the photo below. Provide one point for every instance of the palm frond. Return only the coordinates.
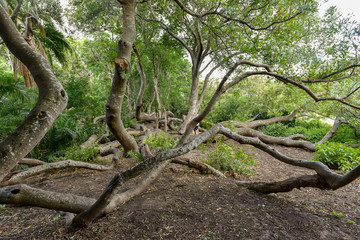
(56, 43)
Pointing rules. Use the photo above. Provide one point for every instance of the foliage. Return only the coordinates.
(337, 155)
(161, 141)
(224, 158)
(15, 103)
(231, 108)
(314, 130)
(88, 154)
(276, 130)
(135, 155)
(69, 129)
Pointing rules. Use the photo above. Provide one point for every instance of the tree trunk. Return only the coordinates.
(332, 131)
(193, 102)
(118, 87)
(139, 103)
(51, 102)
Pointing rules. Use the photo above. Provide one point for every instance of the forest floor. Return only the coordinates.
(185, 204)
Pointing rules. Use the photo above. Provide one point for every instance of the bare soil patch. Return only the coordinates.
(185, 204)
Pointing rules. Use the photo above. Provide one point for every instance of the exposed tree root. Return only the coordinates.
(287, 185)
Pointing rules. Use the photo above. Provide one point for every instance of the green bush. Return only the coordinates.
(314, 130)
(69, 129)
(162, 141)
(224, 158)
(85, 155)
(337, 156)
(231, 109)
(276, 130)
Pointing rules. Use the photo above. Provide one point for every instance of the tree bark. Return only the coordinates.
(56, 165)
(139, 103)
(25, 195)
(119, 83)
(202, 167)
(314, 181)
(286, 141)
(325, 179)
(259, 123)
(51, 102)
(332, 131)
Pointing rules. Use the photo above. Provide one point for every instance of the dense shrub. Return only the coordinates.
(276, 130)
(88, 154)
(224, 158)
(69, 129)
(161, 141)
(231, 109)
(313, 130)
(337, 155)
(15, 103)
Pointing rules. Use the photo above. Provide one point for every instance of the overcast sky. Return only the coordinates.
(346, 7)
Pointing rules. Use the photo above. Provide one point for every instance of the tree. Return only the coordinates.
(89, 209)
(52, 99)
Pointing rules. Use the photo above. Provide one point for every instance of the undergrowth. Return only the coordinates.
(337, 155)
(224, 158)
(314, 130)
(162, 142)
(88, 154)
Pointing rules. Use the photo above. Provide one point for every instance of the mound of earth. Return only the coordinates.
(185, 204)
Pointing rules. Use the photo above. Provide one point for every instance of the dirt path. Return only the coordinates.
(184, 204)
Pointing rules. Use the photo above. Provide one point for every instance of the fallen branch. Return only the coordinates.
(202, 167)
(56, 165)
(31, 161)
(26, 195)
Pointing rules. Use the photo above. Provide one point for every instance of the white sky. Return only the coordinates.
(346, 7)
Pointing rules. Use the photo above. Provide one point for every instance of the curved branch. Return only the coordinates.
(297, 84)
(334, 180)
(227, 18)
(259, 123)
(287, 185)
(338, 121)
(324, 79)
(16, 10)
(163, 26)
(286, 141)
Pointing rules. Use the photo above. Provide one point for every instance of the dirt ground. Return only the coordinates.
(185, 204)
